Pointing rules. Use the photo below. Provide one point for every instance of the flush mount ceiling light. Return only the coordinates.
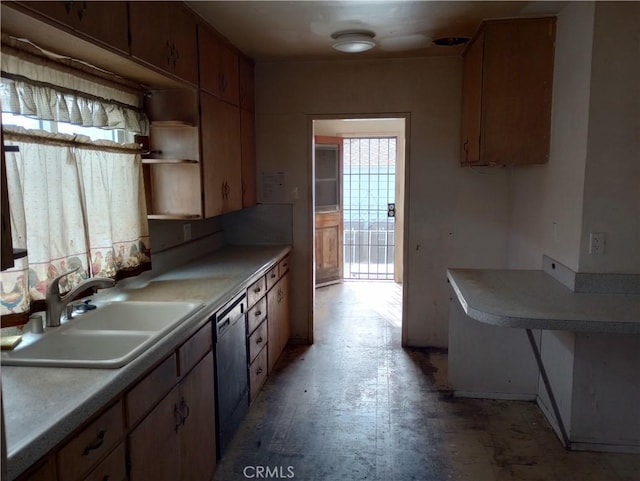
(353, 41)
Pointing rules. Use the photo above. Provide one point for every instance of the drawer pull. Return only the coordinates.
(95, 444)
(259, 340)
(106, 478)
(258, 313)
(257, 289)
(259, 371)
(273, 276)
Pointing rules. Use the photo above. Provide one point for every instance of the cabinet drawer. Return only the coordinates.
(92, 444)
(195, 349)
(258, 373)
(151, 389)
(257, 290)
(112, 468)
(257, 341)
(272, 277)
(256, 315)
(283, 266)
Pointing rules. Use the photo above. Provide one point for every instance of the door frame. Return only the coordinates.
(311, 118)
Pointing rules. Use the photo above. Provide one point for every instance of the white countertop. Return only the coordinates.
(532, 299)
(42, 406)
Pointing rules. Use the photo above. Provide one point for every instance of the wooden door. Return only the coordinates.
(218, 66)
(197, 405)
(328, 205)
(221, 156)
(154, 446)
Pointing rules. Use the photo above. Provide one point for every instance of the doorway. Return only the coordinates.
(358, 181)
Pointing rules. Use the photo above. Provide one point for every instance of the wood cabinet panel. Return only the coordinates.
(272, 277)
(113, 468)
(92, 444)
(257, 341)
(507, 93)
(195, 349)
(248, 157)
(169, 41)
(198, 441)
(105, 22)
(256, 315)
(219, 73)
(247, 84)
(258, 373)
(151, 390)
(278, 320)
(154, 445)
(220, 156)
(45, 472)
(472, 101)
(255, 291)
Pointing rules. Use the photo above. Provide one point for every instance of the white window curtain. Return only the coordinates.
(74, 203)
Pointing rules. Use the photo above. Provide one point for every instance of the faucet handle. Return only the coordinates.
(54, 287)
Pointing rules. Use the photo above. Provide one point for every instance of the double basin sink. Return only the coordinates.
(107, 337)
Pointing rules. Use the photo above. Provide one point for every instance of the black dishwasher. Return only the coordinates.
(232, 387)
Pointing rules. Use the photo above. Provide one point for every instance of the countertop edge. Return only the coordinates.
(576, 325)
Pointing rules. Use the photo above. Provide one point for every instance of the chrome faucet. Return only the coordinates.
(56, 302)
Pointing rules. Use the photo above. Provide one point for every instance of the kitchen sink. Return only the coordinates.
(107, 337)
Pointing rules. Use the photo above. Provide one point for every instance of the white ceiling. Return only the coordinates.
(288, 30)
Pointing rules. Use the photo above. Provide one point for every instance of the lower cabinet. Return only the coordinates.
(278, 320)
(176, 440)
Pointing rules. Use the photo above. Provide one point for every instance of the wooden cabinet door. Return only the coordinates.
(169, 41)
(218, 66)
(472, 102)
(247, 84)
(106, 22)
(197, 404)
(285, 313)
(248, 157)
(278, 329)
(517, 82)
(154, 446)
(221, 164)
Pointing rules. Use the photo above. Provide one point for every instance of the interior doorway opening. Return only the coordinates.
(358, 198)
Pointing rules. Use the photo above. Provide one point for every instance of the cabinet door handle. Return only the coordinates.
(280, 295)
(177, 417)
(257, 290)
(99, 441)
(258, 313)
(259, 371)
(106, 478)
(259, 340)
(184, 407)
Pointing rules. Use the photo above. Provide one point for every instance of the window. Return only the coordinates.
(75, 187)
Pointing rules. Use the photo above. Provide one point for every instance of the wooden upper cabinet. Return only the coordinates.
(507, 87)
(248, 157)
(221, 163)
(219, 73)
(106, 22)
(247, 84)
(163, 34)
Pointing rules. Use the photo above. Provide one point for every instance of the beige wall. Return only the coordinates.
(612, 180)
(592, 180)
(546, 200)
(455, 216)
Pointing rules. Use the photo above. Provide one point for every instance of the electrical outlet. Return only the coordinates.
(186, 232)
(596, 243)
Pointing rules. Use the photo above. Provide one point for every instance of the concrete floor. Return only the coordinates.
(356, 406)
